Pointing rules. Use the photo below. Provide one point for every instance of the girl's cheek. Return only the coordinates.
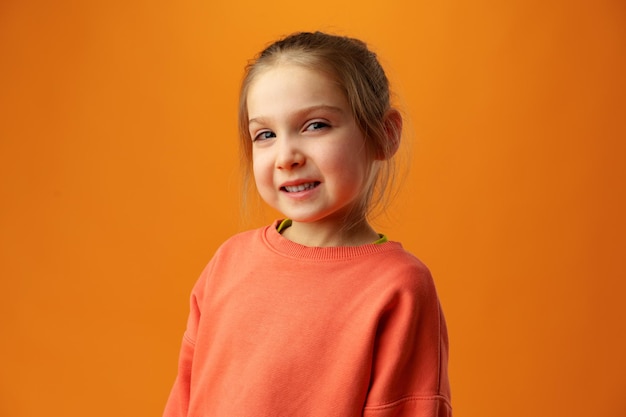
(260, 167)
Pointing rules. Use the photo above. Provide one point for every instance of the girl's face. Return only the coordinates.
(309, 157)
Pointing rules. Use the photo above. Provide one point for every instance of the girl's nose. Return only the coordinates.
(288, 154)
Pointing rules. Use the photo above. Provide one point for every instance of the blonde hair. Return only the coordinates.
(362, 79)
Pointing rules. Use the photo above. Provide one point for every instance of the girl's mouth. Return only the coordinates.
(300, 187)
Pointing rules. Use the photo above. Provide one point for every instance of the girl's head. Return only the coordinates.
(359, 78)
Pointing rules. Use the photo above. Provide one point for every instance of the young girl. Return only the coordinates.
(316, 314)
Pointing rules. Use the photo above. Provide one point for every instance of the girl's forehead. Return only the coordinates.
(287, 79)
(290, 86)
(285, 66)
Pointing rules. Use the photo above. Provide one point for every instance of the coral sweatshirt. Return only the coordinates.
(281, 329)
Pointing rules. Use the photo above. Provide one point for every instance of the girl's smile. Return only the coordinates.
(299, 186)
(309, 156)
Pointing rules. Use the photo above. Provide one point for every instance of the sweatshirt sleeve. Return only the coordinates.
(409, 369)
(178, 401)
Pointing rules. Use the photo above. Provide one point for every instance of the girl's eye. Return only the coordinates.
(268, 134)
(317, 126)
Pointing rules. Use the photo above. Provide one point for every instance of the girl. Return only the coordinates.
(316, 314)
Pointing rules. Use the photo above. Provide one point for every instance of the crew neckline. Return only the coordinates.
(284, 224)
(281, 245)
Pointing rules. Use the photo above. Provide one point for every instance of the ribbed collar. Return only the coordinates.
(283, 246)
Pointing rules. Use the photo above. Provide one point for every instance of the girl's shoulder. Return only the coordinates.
(240, 241)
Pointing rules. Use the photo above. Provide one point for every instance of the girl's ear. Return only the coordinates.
(393, 133)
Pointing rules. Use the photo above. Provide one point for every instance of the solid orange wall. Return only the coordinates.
(119, 178)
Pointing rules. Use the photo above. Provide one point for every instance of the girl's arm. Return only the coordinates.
(409, 370)
(178, 402)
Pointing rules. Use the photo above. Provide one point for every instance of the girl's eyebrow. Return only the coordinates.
(302, 113)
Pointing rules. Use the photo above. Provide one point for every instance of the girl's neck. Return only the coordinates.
(322, 234)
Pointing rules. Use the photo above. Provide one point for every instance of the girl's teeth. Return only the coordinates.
(301, 187)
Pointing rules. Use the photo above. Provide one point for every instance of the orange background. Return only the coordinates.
(119, 178)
